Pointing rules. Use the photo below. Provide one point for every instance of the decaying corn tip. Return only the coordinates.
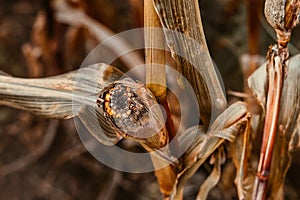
(132, 110)
(274, 12)
(282, 14)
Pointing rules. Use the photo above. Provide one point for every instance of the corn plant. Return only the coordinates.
(114, 107)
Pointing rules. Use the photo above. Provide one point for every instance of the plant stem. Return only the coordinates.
(155, 61)
(154, 57)
(276, 67)
(277, 71)
(156, 82)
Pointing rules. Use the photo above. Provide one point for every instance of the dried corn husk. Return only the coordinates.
(64, 96)
(225, 127)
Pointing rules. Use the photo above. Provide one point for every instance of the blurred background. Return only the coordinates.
(45, 159)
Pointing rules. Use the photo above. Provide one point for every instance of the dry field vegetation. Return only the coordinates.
(247, 132)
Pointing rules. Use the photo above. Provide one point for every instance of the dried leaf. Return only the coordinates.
(64, 96)
(240, 155)
(212, 180)
(295, 140)
(288, 123)
(2, 73)
(225, 127)
(185, 37)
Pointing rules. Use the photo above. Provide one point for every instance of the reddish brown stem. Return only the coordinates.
(277, 70)
(276, 67)
(170, 126)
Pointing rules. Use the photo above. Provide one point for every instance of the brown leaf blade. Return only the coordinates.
(185, 37)
(64, 96)
(225, 127)
(212, 180)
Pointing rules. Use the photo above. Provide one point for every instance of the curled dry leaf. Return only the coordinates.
(288, 123)
(225, 127)
(212, 180)
(240, 153)
(64, 96)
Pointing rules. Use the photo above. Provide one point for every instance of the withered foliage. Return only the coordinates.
(227, 139)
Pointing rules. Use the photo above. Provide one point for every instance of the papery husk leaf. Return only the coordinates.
(185, 36)
(64, 96)
(295, 141)
(4, 73)
(240, 152)
(212, 180)
(225, 127)
(288, 123)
